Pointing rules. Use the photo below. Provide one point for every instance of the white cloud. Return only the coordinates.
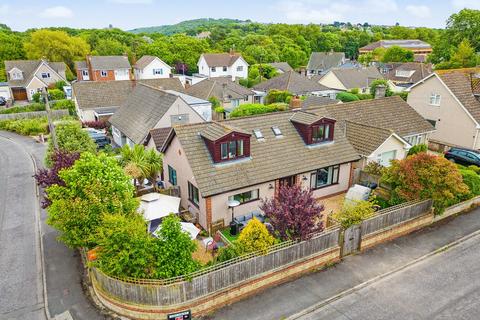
(422, 12)
(57, 12)
(471, 4)
(4, 9)
(132, 1)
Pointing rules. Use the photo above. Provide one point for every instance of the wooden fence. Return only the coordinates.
(394, 215)
(34, 114)
(213, 279)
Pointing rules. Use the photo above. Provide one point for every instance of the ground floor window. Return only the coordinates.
(193, 194)
(245, 197)
(386, 158)
(172, 176)
(324, 177)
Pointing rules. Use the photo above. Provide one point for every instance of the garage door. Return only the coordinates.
(19, 93)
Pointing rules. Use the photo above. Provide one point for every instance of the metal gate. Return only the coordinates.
(351, 240)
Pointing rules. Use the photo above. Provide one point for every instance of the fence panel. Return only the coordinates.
(34, 114)
(394, 215)
(163, 293)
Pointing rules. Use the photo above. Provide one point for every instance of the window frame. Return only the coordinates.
(239, 68)
(435, 99)
(242, 196)
(334, 177)
(45, 75)
(172, 175)
(226, 147)
(325, 133)
(225, 68)
(158, 72)
(103, 73)
(213, 69)
(192, 192)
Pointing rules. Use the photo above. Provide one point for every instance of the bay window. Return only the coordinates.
(325, 177)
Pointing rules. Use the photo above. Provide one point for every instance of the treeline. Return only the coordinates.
(257, 42)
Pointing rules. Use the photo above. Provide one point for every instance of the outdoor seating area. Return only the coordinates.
(243, 220)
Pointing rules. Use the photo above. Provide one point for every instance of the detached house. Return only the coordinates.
(404, 75)
(249, 158)
(321, 62)
(150, 67)
(147, 108)
(27, 77)
(103, 68)
(347, 79)
(223, 65)
(448, 102)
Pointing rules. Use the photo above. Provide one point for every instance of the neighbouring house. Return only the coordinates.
(147, 108)
(294, 83)
(390, 113)
(229, 93)
(5, 91)
(321, 62)
(103, 68)
(150, 67)
(420, 49)
(281, 67)
(156, 138)
(249, 158)
(342, 79)
(27, 77)
(98, 100)
(313, 101)
(223, 65)
(404, 75)
(448, 102)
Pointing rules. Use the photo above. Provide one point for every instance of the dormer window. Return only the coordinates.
(17, 75)
(313, 128)
(231, 150)
(321, 133)
(226, 143)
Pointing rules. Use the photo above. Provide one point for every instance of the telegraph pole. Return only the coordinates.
(51, 127)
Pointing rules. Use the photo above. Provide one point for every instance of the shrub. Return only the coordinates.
(256, 108)
(364, 96)
(403, 95)
(60, 84)
(255, 237)
(36, 97)
(354, 213)
(26, 127)
(28, 108)
(64, 104)
(474, 168)
(472, 180)
(219, 109)
(214, 101)
(417, 149)
(55, 94)
(380, 82)
(374, 168)
(355, 91)
(277, 96)
(347, 97)
(227, 253)
(99, 125)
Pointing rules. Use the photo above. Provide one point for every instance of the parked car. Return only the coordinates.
(99, 137)
(466, 157)
(3, 101)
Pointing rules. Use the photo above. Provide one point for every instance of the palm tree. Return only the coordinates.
(140, 163)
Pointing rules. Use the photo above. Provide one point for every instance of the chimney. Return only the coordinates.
(380, 91)
(295, 103)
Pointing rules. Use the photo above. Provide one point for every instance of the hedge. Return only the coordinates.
(256, 108)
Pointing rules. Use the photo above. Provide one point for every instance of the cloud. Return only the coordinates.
(4, 9)
(132, 1)
(57, 12)
(471, 4)
(422, 12)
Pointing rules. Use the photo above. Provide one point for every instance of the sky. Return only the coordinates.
(130, 14)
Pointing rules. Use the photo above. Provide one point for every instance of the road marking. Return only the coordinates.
(362, 285)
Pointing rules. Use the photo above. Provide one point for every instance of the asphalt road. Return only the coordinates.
(21, 283)
(445, 286)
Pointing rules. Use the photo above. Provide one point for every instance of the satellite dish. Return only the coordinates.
(233, 203)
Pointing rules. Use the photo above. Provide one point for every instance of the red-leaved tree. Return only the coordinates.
(294, 213)
(47, 177)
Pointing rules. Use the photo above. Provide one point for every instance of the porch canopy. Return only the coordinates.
(155, 206)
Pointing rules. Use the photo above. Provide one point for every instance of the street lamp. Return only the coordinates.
(233, 226)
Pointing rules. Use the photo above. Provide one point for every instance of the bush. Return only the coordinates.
(227, 253)
(380, 82)
(374, 168)
(364, 96)
(55, 94)
(214, 101)
(26, 127)
(255, 237)
(403, 95)
(472, 180)
(60, 84)
(354, 213)
(36, 97)
(474, 168)
(355, 91)
(274, 96)
(64, 104)
(417, 149)
(256, 108)
(219, 109)
(347, 97)
(28, 108)
(99, 125)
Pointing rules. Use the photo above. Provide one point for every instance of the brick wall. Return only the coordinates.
(96, 75)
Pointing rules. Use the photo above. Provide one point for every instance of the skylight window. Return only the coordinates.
(276, 131)
(258, 134)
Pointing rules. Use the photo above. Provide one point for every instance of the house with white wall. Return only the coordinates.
(223, 65)
(103, 68)
(151, 67)
(345, 79)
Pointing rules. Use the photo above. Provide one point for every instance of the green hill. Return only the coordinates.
(191, 27)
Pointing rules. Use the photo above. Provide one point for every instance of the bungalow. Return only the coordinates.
(150, 67)
(281, 67)
(404, 75)
(229, 93)
(420, 48)
(313, 101)
(222, 65)
(448, 102)
(103, 68)
(321, 62)
(27, 77)
(249, 158)
(98, 100)
(342, 79)
(147, 108)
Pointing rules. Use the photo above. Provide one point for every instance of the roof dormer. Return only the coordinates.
(313, 129)
(226, 143)
(16, 74)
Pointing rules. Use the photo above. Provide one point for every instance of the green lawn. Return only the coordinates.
(226, 233)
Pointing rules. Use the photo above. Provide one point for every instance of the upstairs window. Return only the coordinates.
(45, 75)
(17, 76)
(225, 69)
(276, 131)
(85, 73)
(240, 68)
(157, 71)
(172, 176)
(231, 150)
(258, 134)
(214, 69)
(435, 99)
(320, 133)
(103, 73)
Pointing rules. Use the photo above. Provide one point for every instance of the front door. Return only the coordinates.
(287, 181)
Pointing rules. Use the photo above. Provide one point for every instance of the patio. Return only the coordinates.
(332, 205)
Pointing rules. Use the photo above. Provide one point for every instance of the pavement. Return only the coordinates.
(294, 297)
(20, 245)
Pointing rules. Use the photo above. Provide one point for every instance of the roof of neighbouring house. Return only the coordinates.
(282, 66)
(311, 101)
(220, 59)
(142, 110)
(98, 94)
(145, 61)
(159, 136)
(191, 100)
(290, 81)
(406, 44)
(391, 113)
(271, 158)
(461, 86)
(218, 87)
(28, 68)
(357, 77)
(325, 60)
(413, 71)
(107, 62)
